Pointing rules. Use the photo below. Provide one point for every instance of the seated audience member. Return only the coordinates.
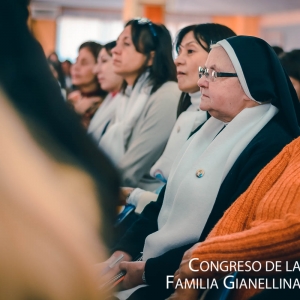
(66, 68)
(254, 114)
(55, 62)
(146, 112)
(262, 225)
(89, 95)
(291, 63)
(58, 191)
(111, 83)
(278, 50)
(192, 46)
(54, 71)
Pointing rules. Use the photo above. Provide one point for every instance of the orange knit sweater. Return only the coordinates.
(263, 224)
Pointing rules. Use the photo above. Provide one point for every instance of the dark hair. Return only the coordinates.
(58, 68)
(291, 63)
(67, 61)
(27, 81)
(278, 50)
(94, 48)
(109, 46)
(209, 33)
(163, 68)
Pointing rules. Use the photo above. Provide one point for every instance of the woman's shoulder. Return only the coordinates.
(272, 138)
(169, 90)
(294, 148)
(168, 87)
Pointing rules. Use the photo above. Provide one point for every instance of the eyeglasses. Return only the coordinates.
(211, 75)
(145, 21)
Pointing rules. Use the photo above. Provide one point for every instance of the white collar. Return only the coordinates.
(195, 100)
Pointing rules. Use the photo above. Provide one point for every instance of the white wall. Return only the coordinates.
(282, 29)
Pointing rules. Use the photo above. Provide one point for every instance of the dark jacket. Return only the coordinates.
(260, 151)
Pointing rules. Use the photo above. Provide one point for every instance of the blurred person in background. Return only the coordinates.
(278, 50)
(291, 63)
(54, 60)
(58, 191)
(192, 46)
(53, 57)
(111, 83)
(55, 72)
(66, 68)
(146, 112)
(88, 94)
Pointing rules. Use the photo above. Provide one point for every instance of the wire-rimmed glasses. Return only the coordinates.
(211, 75)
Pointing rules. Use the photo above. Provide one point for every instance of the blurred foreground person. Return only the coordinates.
(58, 192)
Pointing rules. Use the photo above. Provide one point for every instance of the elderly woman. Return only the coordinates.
(192, 46)
(252, 105)
(263, 223)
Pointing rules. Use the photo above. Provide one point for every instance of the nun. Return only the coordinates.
(255, 113)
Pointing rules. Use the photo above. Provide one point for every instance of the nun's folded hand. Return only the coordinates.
(184, 294)
(134, 273)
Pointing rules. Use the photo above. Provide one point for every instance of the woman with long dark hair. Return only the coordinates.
(146, 112)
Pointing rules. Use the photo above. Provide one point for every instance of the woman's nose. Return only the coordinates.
(75, 66)
(115, 50)
(96, 69)
(179, 60)
(202, 82)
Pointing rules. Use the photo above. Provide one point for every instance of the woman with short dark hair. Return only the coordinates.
(192, 46)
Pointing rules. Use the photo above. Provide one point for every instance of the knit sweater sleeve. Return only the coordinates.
(264, 223)
(275, 240)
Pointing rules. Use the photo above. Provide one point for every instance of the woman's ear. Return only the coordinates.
(150, 60)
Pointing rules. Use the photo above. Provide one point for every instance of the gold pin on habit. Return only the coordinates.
(200, 173)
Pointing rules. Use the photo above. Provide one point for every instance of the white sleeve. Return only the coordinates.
(140, 198)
